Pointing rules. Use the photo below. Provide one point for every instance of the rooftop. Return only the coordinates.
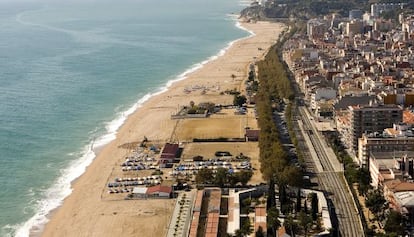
(397, 185)
(408, 117)
(405, 198)
(159, 188)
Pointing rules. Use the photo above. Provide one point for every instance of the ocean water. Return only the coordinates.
(71, 72)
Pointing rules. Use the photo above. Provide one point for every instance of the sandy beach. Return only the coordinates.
(87, 213)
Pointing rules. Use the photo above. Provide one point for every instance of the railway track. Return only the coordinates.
(332, 181)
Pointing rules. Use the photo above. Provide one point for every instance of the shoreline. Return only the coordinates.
(92, 150)
(133, 127)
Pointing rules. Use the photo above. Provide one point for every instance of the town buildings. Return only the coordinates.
(370, 119)
(357, 72)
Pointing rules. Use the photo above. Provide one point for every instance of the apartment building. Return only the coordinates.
(399, 138)
(369, 119)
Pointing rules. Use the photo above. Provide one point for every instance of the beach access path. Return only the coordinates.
(85, 213)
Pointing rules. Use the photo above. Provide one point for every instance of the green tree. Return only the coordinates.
(251, 76)
(244, 176)
(292, 176)
(260, 232)
(284, 199)
(221, 177)
(305, 207)
(375, 202)
(192, 104)
(273, 221)
(364, 181)
(239, 233)
(246, 227)
(314, 206)
(274, 163)
(291, 226)
(271, 198)
(254, 86)
(239, 100)
(233, 179)
(394, 223)
(298, 201)
(204, 176)
(305, 222)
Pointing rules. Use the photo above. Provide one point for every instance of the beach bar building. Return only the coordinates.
(159, 191)
(169, 153)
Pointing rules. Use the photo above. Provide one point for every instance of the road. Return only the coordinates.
(331, 178)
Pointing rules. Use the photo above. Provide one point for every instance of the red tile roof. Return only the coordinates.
(399, 186)
(260, 218)
(159, 188)
(408, 117)
(212, 224)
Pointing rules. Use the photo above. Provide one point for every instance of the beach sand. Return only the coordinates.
(86, 213)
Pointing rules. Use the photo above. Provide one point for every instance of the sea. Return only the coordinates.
(71, 71)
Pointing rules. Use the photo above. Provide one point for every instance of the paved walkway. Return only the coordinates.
(182, 215)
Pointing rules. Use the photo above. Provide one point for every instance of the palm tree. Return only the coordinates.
(192, 104)
(233, 76)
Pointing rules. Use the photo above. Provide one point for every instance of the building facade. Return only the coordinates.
(400, 138)
(370, 119)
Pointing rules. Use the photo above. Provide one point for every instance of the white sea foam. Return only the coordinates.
(54, 196)
(113, 126)
(238, 25)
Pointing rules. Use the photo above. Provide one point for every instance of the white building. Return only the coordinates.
(378, 8)
(321, 94)
(400, 138)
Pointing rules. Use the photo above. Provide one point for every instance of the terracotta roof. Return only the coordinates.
(408, 117)
(199, 200)
(194, 224)
(215, 200)
(159, 188)
(397, 185)
(212, 225)
(260, 218)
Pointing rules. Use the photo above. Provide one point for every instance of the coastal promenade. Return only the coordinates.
(85, 213)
